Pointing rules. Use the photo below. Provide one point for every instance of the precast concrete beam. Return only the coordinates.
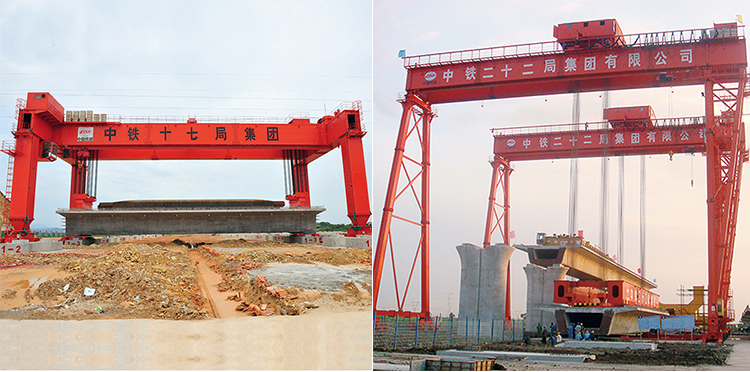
(133, 222)
(483, 281)
(584, 263)
(620, 320)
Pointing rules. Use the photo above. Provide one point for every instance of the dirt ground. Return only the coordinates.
(182, 278)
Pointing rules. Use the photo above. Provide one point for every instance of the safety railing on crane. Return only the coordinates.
(8, 147)
(198, 209)
(601, 125)
(551, 47)
(355, 106)
(207, 119)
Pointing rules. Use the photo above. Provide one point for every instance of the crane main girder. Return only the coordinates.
(43, 134)
(558, 71)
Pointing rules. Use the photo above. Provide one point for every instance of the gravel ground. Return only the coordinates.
(319, 278)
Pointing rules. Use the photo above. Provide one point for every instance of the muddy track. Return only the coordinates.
(208, 279)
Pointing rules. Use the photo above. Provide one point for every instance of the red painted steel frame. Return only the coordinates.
(414, 110)
(711, 57)
(78, 143)
(501, 171)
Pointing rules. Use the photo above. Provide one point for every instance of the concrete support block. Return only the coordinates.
(25, 246)
(361, 242)
(334, 241)
(306, 239)
(540, 286)
(484, 274)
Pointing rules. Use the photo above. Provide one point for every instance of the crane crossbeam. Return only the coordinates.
(684, 135)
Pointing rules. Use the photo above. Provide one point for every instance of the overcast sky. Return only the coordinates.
(462, 146)
(189, 58)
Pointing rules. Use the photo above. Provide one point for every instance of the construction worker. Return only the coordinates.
(558, 338)
(587, 336)
(578, 336)
(553, 328)
(545, 333)
(579, 328)
(571, 334)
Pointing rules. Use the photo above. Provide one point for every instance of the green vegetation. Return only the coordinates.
(327, 226)
(49, 234)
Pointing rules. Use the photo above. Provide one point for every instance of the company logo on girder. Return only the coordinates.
(430, 76)
(511, 142)
(85, 134)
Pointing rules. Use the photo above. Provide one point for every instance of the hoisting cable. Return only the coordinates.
(573, 201)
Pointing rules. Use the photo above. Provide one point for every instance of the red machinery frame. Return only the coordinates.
(603, 294)
(713, 57)
(44, 134)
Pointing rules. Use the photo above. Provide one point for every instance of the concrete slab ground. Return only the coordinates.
(579, 358)
(607, 345)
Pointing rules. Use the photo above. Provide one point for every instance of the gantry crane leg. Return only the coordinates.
(501, 171)
(415, 111)
(28, 150)
(355, 181)
(300, 196)
(79, 181)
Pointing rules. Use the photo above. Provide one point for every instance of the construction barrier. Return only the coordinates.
(399, 333)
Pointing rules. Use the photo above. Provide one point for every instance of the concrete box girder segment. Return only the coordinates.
(133, 222)
(583, 263)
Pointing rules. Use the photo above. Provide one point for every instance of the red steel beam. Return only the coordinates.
(531, 73)
(556, 142)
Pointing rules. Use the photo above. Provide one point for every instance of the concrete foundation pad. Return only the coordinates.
(25, 246)
(163, 221)
(607, 345)
(531, 357)
(361, 242)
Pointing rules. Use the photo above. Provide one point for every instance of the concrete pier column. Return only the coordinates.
(554, 272)
(540, 306)
(483, 281)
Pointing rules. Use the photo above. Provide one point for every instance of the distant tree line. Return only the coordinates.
(327, 226)
(50, 234)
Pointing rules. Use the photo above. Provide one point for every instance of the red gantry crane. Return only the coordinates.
(587, 56)
(46, 133)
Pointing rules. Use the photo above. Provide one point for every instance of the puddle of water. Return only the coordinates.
(319, 278)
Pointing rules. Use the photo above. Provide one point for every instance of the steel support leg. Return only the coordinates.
(414, 111)
(501, 171)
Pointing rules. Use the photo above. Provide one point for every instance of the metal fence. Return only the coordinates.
(398, 333)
